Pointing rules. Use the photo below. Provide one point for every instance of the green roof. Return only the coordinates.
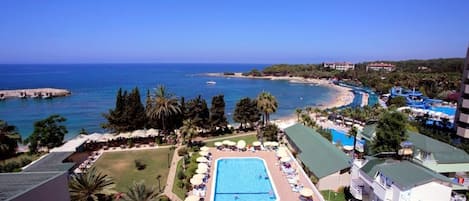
(320, 156)
(368, 131)
(404, 174)
(442, 152)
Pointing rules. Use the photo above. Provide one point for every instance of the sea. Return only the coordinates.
(94, 88)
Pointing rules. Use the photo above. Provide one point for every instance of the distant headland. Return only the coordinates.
(43, 93)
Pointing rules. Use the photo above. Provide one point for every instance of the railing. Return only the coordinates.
(313, 187)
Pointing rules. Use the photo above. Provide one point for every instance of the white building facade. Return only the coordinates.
(380, 67)
(342, 66)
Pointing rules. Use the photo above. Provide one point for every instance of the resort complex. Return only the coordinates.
(234, 101)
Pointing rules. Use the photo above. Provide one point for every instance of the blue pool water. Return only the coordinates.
(342, 137)
(243, 179)
(447, 110)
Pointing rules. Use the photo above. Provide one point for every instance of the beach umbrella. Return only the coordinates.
(232, 143)
(196, 181)
(201, 171)
(192, 198)
(306, 192)
(226, 142)
(267, 144)
(218, 144)
(274, 144)
(241, 144)
(285, 159)
(203, 153)
(199, 176)
(256, 143)
(202, 166)
(204, 148)
(202, 159)
(282, 154)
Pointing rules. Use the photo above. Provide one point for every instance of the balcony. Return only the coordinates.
(464, 118)
(463, 132)
(465, 103)
(356, 188)
(466, 89)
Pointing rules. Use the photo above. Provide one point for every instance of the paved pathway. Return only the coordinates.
(168, 190)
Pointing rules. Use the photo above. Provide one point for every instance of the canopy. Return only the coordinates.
(192, 198)
(202, 159)
(201, 171)
(241, 144)
(256, 143)
(203, 153)
(152, 132)
(285, 159)
(202, 166)
(139, 133)
(196, 181)
(204, 148)
(218, 144)
(306, 192)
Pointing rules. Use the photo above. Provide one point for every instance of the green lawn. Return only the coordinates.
(180, 192)
(121, 167)
(333, 196)
(248, 138)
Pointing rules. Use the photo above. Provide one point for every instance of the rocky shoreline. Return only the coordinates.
(34, 93)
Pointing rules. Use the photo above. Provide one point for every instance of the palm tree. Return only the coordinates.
(140, 192)
(165, 107)
(267, 104)
(353, 133)
(9, 138)
(158, 177)
(188, 130)
(90, 185)
(298, 112)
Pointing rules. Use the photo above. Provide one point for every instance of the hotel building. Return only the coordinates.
(462, 112)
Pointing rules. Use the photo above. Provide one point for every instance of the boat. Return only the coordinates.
(211, 82)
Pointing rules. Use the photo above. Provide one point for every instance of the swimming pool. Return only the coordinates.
(239, 179)
(451, 111)
(342, 137)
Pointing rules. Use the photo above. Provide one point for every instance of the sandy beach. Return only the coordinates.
(344, 95)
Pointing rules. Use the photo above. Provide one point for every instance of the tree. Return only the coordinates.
(140, 192)
(298, 112)
(246, 112)
(390, 132)
(198, 112)
(188, 130)
(270, 132)
(217, 113)
(9, 138)
(158, 177)
(397, 101)
(267, 104)
(134, 111)
(90, 185)
(47, 133)
(115, 118)
(164, 109)
(353, 133)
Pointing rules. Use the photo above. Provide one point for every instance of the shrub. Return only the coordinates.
(158, 140)
(164, 198)
(182, 151)
(140, 165)
(180, 184)
(180, 175)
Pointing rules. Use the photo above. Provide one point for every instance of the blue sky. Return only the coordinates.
(241, 31)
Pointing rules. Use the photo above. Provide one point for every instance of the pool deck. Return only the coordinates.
(280, 181)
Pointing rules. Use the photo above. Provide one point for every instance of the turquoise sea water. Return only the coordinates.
(243, 179)
(94, 87)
